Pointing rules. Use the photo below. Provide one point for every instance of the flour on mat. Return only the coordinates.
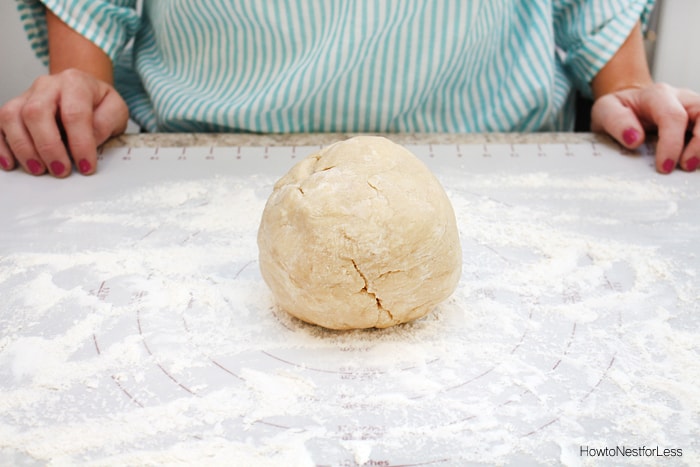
(143, 334)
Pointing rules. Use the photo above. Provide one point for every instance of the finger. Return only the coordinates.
(78, 100)
(666, 112)
(39, 116)
(111, 117)
(7, 160)
(22, 147)
(610, 115)
(690, 159)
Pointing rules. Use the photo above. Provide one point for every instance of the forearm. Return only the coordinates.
(627, 69)
(68, 49)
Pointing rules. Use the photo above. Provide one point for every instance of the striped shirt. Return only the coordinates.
(351, 65)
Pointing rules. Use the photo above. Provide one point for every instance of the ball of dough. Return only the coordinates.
(359, 235)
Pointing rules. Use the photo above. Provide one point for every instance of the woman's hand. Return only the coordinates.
(628, 114)
(628, 104)
(64, 116)
(61, 117)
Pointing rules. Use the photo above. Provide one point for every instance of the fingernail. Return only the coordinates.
(57, 168)
(84, 166)
(4, 163)
(669, 165)
(692, 164)
(35, 166)
(630, 136)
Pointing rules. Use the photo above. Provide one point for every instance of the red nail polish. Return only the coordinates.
(57, 167)
(84, 166)
(35, 166)
(668, 165)
(692, 164)
(4, 163)
(630, 136)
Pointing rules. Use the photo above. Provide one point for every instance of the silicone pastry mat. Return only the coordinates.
(135, 327)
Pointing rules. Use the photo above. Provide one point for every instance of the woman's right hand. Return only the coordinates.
(61, 117)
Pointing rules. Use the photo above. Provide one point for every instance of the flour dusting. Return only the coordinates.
(143, 334)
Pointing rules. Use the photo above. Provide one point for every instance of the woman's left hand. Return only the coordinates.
(627, 115)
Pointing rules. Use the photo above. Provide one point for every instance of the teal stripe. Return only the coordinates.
(474, 71)
(298, 64)
(401, 48)
(427, 104)
(352, 112)
(199, 109)
(497, 68)
(256, 56)
(334, 97)
(288, 53)
(448, 76)
(267, 73)
(530, 81)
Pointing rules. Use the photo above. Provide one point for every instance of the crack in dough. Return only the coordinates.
(381, 311)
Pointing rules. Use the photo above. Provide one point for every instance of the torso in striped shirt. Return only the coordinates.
(349, 66)
(352, 65)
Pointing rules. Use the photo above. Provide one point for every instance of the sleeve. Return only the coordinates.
(109, 24)
(589, 32)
